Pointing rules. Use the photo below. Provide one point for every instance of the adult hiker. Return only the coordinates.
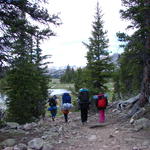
(66, 105)
(53, 106)
(101, 104)
(83, 101)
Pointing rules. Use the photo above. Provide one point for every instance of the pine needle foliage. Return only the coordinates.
(24, 24)
(99, 63)
(136, 48)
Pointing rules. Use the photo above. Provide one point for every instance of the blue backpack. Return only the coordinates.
(66, 98)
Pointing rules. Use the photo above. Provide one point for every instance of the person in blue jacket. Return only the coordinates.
(53, 106)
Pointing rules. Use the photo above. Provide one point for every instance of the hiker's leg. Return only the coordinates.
(82, 114)
(53, 114)
(86, 114)
(101, 116)
(66, 117)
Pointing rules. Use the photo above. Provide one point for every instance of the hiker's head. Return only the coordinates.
(95, 97)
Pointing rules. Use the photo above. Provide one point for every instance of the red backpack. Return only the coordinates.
(101, 101)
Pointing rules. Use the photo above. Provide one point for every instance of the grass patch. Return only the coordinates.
(55, 84)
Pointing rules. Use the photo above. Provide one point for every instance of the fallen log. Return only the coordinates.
(128, 103)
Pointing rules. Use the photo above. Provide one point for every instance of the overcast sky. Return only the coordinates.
(77, 17)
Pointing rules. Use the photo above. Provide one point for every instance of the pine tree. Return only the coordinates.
(138, 11)
(81, 78)
(13, 17)
(26, 78)
(99, 64)
(129, 74)
(68, 76)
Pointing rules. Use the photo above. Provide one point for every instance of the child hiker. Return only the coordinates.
(66, 105)
(101, 104)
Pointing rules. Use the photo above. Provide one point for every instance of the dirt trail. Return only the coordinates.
(116, 134)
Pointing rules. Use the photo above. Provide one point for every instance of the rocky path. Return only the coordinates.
(116, 134)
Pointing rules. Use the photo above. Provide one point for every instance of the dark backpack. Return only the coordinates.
(84, 96)
(52, 102)
(102, 101)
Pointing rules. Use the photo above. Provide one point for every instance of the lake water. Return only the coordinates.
(2, 101)
(50, 92)
(57, 91)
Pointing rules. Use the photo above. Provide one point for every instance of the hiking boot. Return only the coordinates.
(53, 118)
(83, 123)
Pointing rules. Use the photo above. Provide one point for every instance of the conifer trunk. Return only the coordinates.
(145, 90)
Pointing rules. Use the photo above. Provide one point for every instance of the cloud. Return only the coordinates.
(77, 17)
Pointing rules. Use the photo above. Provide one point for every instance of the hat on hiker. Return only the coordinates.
(83, 90)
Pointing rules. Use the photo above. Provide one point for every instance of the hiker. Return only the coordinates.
(53, 106)
(83, 101)
(101, 104)
(66, 105)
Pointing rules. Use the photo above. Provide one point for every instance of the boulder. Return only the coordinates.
(142, 123)
(36, 143)
(20, 146)
(12, 125)
(8, 142)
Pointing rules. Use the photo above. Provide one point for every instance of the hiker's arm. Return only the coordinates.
(96, 101)
(106, 102)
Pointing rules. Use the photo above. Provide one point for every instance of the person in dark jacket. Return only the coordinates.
(66, 105)
(83, 101)
(53, 106)
(101, 104)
